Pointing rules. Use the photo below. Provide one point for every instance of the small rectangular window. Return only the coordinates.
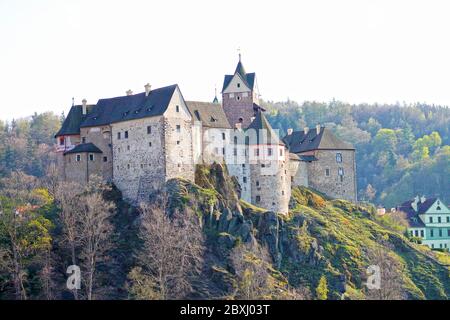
(177, 108)
(338, 157)
(78, 158)
(61, 141)
(439, 219)
(105, 159)
(448, 219)
(245, 181)
(269, 151)
(178, 128)
(341, 171)
(448, 232)
(126, 134)
(149, 129)
(440, 232)
(327, 172)
(149, 144)
(257, 152)
(257, 183)
(258, 199)
(91, 157)
(235, 152)
(431, 220)
(421, 233)
(223, 151)
(83, 140)
(431, 233)
(178, 142)
(223, 135)
(281, 152)
(119, 135)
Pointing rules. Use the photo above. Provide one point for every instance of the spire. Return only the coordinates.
(240, 67)
(73, 101)
(215, 96)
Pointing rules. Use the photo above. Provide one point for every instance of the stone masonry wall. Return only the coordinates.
(139, 161)
(101, 137)
(332, 185)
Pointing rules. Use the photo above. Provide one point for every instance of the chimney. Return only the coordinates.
(129, 92)
(289, 132)
(238, 125)
(148, 88)
(306, 130)
(318, 129)
(414, 203)
(423, 199)
(84, 102)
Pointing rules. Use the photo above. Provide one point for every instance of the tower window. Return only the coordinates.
(178, 128)
(257, 183)
(78, 158)
(244, 179)
(341, 171)
(119, 135)
(338, 157)
(177, 108)
(126, 134)
(238, 85)
(91, 157)
(149, 129)
(105, 159)
(83, 140)
(223, 135)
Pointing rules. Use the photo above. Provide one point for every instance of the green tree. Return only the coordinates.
(322, 289)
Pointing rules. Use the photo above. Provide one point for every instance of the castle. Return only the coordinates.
(140, 141)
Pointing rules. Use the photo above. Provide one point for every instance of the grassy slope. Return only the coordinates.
(319, 237)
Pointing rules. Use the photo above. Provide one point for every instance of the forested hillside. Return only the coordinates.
(402, 150)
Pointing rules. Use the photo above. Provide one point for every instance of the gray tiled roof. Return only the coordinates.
(210, 114)
(83, 148)
(71, 125)
(264, 131)
(298, 142)
(131, 107)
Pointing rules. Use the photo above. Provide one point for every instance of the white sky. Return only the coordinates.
(355, 51)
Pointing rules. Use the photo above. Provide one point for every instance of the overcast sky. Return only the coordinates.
(355, 51)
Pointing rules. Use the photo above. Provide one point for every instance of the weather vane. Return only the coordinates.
(239, 52)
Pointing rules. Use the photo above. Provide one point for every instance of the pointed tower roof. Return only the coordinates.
(264, 131)
(240, 69)
(248, 78)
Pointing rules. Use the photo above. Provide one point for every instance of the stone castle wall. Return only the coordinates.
(139, 161)
(332, 185)
(101, 137)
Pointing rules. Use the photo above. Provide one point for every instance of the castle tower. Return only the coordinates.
(240, 96)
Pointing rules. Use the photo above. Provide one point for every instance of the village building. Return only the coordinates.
(429, 221)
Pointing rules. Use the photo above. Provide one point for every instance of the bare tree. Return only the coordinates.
(251, 264)
(391, 280)
(67, 195)
(171, 255)
(95, 232)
